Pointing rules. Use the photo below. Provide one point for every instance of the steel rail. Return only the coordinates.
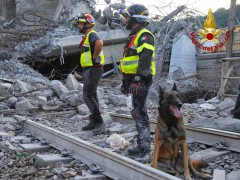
(208, 136)
(115, 166)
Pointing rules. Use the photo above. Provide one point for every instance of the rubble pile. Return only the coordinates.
(37, 96)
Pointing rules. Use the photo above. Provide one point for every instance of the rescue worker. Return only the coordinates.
(92, 61)
(138, 68)
(236, 110)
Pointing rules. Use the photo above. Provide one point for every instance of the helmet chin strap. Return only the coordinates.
(129, 26)
(131, 22)
(84, 29)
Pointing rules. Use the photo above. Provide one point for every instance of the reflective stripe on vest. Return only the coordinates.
(86, 54)
(129, 64)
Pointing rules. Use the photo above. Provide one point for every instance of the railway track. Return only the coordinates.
(114, 165)
(206, 136)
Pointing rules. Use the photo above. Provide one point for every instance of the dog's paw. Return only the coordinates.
(154, 165)
(188, 178)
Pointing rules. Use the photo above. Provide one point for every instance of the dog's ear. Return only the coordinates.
(161, 92)
(174, 88)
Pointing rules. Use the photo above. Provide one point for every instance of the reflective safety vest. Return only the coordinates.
(129, 64)
(86, 53)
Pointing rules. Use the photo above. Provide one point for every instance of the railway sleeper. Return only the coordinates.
(49, 159)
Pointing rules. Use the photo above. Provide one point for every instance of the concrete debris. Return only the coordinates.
(227, 103)
(208, 106)
(83, 109)
(233, 175)
(182, 57)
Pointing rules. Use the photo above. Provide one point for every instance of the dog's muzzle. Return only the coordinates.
(179, 105)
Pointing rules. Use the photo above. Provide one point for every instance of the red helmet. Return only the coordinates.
(85, 18)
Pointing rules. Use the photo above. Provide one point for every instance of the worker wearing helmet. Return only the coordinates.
(92, 61)
(138, 68)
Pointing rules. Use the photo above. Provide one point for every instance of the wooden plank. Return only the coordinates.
(231, 77)
(231, 59)
(229, 95)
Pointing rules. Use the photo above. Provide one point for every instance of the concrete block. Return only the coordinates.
(35, 147)
(50, 159)
(4, 135)
(22, 139)
(219, 174)
(208, 154)
(234, 175)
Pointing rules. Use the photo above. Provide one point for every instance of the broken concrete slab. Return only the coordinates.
(208, 106)
(225, 123)
(183, 57)
(226, 104)
(208, 154)
(113, 41)
(219, 174)
(83, 109)
(234, 175)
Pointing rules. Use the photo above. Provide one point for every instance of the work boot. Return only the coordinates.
(236, 113)
(237, 105)
(99, 125)
(136, 150)
(236, 116)
(91, 125)
(99, 128)
(143, 157)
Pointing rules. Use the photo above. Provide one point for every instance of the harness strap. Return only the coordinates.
(130, 44)
(83, 41)
(132, 40)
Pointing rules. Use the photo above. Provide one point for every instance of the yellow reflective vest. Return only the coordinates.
(86, 54)
(129, 64)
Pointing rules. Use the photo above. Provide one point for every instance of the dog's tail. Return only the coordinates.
(196, 164)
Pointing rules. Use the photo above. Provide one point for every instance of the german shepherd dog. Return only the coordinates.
(170, 149)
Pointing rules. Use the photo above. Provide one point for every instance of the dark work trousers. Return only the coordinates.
(236, 110)
(91, 78)
(237, 105)
(139, 114)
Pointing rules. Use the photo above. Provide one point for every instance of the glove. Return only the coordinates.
(97, 60)
(149, 80)
(133, 87)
